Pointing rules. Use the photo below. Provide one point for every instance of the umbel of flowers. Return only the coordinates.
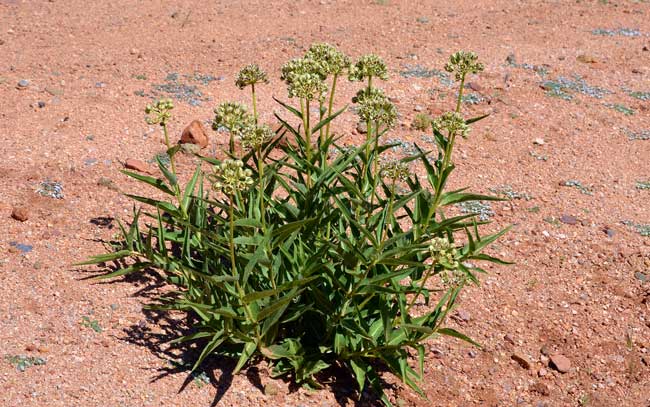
(311, 254)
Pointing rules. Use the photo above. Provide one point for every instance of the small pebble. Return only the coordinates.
(20, 213)
(561, 363)
(521, 360)
(568, 219)
(41, 104)
(137, 165)
(539, 141)
(23, 83)
(271, 389)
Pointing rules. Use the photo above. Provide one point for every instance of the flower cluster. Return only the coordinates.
(374, 106)
(422, 122)
(233, 116)
(307, 86)
(443, 253)
(463, 62)
(368, 66)
(231, 177)
(394, 170)
(447, 256)
(305, 78)
(253, 137)
(251, 75)
(452, 122)
(159, 112)
(330, 61)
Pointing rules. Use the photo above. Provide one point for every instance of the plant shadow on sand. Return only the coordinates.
(217, 369)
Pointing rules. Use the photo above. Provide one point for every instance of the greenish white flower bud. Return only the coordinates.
(367, 66)
(374, 107)
(395, 170)
(230, 177)
(253, 137)
(463, 62)
(453, 123)
(233, 116)
(159, 112)
(445, 255)
(330, 61)
(307, 86)
(251, 75)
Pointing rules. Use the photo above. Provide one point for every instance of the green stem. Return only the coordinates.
(460, 94)
(307, 130)
(447, 158)
(375, 165)
(389, 213)
(254, 102)
(320, 118)
(260, 166)
(171, 159)
(331, 104)
(445, 163)
(233, 268)
(420, 288)
(368, 124)
(231, 216)
(177, 190)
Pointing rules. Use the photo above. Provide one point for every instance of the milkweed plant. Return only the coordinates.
(307, 253)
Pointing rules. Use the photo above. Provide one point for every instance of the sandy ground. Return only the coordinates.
(566, 82)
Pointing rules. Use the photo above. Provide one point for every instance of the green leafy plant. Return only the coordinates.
(422, 122)
(93, 324)
(643, 185)
(22, 362)
(308, 259)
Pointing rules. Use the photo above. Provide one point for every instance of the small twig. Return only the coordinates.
(187, 17)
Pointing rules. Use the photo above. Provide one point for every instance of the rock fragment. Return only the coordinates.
(561, 363)
(20, 213)
(137, 165)
(521, 360)
(568, 219)
(195, 134)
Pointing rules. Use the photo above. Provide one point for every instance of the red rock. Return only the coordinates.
(540, 388)
(137, 165)
(561, 363)
(521, 360)
(474, 86)
(568, 219)
(20, 213)
(195, 134)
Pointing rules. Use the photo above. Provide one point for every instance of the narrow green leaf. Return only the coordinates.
(247, 352)
(154, 182)
(328, 119)
(103, 258)
(454, 333)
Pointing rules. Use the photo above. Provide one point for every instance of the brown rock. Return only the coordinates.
(561, 363)
(474, 86)
(521, 360)
(271, 389)
(540, 388)
(568, 219)
(20, 213)
(195, 134)
(586, 59)
(137, 165)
